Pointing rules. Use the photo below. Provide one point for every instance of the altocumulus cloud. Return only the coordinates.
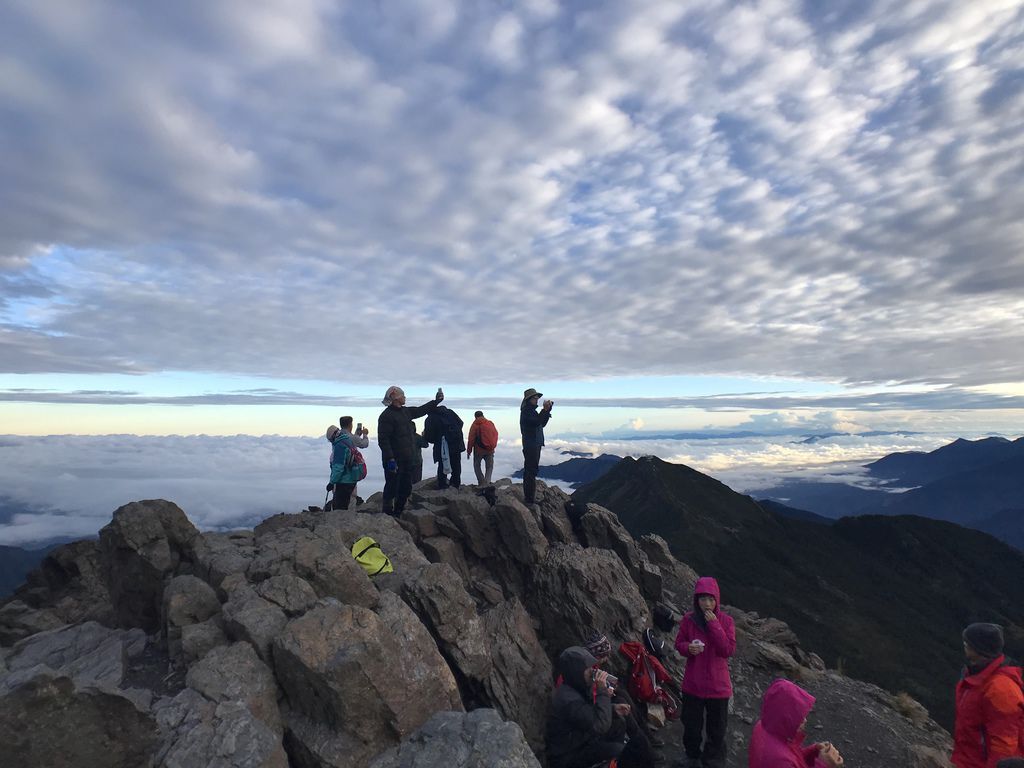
(804, 189)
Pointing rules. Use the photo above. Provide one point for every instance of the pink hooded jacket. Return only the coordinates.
(707, 673)
(777, 741)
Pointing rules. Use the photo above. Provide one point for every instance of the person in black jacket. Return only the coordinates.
(584, 726)
(443, 428)
(397, 446)
(531, 425)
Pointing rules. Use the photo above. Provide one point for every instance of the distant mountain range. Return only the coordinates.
(578, 470)
(883, 597)
(975, 483)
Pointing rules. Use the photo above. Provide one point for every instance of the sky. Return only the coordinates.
(249, 218)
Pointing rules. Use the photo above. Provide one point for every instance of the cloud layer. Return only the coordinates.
(68, 486)
(485, 193)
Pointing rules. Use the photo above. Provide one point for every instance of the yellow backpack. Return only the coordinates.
(367, 553)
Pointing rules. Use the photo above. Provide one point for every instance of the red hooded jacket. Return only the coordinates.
(707, 673)
(989, 716)
(777, 741)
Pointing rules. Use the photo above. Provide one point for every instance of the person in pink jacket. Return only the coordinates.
(778, 738)
(706, 639)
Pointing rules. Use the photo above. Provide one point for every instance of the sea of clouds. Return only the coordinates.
(66, 486)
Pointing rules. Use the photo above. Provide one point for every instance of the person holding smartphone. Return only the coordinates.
(395, 430)
(531, 426)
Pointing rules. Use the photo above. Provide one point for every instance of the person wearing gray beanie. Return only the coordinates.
(989, 722)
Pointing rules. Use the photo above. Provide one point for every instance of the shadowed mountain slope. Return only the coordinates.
(882, 597)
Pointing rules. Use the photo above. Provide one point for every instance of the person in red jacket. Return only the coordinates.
(706, 639)
(778, 737)
(483, 438)
(989, 702)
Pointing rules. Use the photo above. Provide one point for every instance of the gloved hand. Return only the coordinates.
(391, 466)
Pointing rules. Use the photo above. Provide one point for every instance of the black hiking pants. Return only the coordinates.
(397, 487)
(342, 496)
(704, 720)
(531, 464)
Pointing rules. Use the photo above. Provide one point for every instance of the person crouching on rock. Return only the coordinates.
(395, 438)
(584, 726)
(989, 703)
(706, 639)
(778, 738)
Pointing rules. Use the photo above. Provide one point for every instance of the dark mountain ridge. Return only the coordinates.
(914, 468)
(578, 470)
(883, 598)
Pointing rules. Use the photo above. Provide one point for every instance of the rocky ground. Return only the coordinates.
(158, 645)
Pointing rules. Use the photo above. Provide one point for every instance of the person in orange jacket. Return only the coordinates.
(483, 437)
(989, 702)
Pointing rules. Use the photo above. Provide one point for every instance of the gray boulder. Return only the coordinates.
(291, 594)
(218, 555)
(322, 557)
(47, 721)
(249, 617)
(188, 600)
(70, 583)
(90, 653)
(18, 621)
(197, 640)
(144, 544)
(601, 528)
(198, 732)
(477, 739)
(235, 673)
(357, 681)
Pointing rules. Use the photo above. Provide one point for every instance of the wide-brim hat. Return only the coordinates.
(531, 392)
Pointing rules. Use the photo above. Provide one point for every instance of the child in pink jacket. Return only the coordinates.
(778, 738)
(707, 638)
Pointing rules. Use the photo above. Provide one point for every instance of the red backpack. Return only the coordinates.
(646, 678)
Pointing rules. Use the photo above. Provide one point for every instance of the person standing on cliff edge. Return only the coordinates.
(395, 432)
(531, 425)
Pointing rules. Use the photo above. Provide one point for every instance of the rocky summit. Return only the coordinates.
(158, 645)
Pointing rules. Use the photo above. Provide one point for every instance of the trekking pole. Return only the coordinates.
(329, 485)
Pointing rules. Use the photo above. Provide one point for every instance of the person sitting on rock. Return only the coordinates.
(989, 722)
(706, 639)
(395, 438)
(584, 727)
(778, 738)
(636, 719)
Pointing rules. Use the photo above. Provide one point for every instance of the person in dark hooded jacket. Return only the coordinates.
(443, 429)
(584, 727)
(395, 432)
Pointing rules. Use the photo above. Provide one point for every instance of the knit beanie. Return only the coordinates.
(985, 639)
(598, 646)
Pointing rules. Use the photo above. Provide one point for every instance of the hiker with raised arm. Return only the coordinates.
(395, 437)
(531, 426)
(778, 738)
(706, 639)
(483, 438)
(989, 722)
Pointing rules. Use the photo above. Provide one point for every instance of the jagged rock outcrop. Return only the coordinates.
(145, 543)
(462, 740)
(274, 648)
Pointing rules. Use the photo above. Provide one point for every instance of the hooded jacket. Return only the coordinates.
(989, 716)
(777, 741)
(707, 673)
(577, 716)
(444, 424)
